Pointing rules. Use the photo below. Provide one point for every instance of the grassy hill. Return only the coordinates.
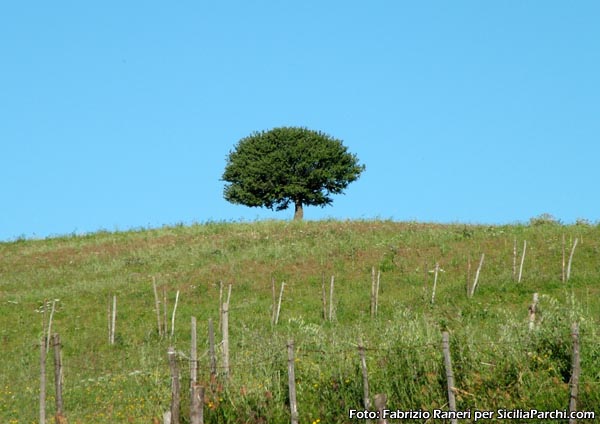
(498, 362)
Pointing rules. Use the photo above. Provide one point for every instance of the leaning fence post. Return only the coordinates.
(449, 374)
(522, 261)
(273, 301)
(477, 274)
(435, 278)
(571, 259)
(279, 304)
(575, 371)
(50, 325)
(292, 383)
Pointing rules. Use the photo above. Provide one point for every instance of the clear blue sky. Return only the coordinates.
(120, 114)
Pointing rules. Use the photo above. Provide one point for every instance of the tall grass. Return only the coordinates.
(498, 362)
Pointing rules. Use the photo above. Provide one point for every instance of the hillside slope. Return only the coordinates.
(499, 362)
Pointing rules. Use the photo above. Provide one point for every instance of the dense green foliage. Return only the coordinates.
(498, 362)
(288, 165)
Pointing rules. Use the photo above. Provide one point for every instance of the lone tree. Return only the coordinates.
(288, 165)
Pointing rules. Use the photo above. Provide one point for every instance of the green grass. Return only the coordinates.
(498, 362)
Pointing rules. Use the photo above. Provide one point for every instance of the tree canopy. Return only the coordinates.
(288, 165)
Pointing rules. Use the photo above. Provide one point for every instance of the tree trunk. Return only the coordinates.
(299, 212)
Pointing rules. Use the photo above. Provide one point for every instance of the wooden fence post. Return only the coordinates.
(292, 383)
(220, 326)
(435, 277)
(532, 311)
(113, 321)
(331, 298)
(273, 301)
(468, 284)
(173, 314)
(211, 354)
(373, 292)
(229, 294)
(193, 355)
(380, 401)
(108, 319)
(50, 325)
(514, 275)
(279, 304)
(575, 371)
(522, 261)
(44, 311)
(175, 387)
(196, 391)
(563, 274)
(157, 307)
(477, 275)
(58, 377)
(571, 259)
(425, 278)
(225, 330)
(165, 311)
(324, 296)
(365, 375)
(43, 379)
(197, 405)
(449, 374)
(377, 291)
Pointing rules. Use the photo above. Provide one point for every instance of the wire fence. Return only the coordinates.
(153, 377)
